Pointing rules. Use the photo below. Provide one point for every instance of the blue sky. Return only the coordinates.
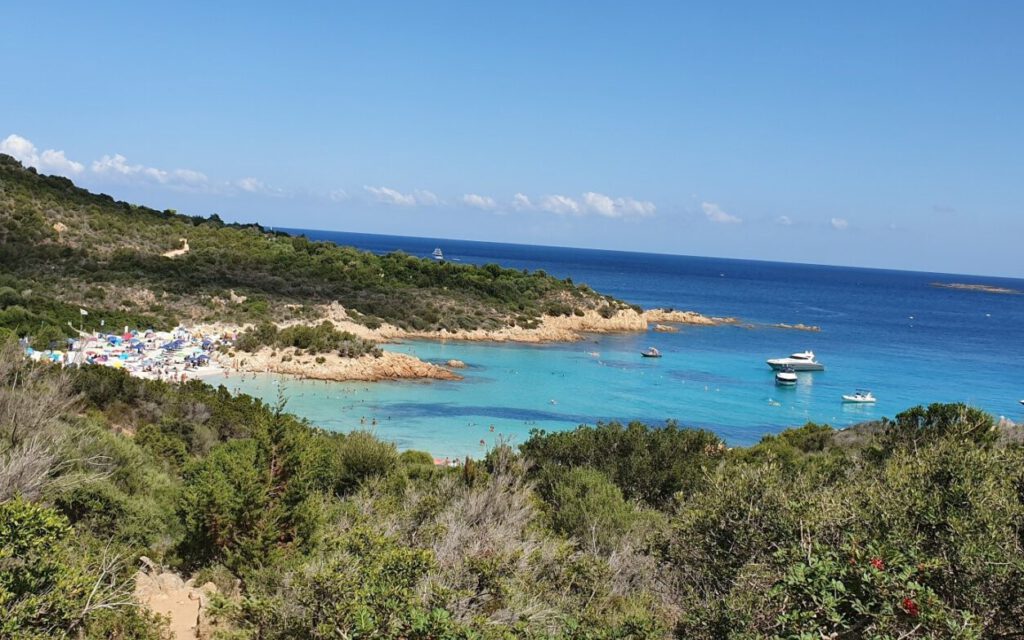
(884, 134)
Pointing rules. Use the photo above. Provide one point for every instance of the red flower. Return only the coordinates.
(911, 607)
(878, 564)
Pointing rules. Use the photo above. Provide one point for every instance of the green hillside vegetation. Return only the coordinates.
(62, 247)
(908, 528)
(323, 338)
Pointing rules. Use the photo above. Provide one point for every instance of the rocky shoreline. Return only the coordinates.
(328, 366)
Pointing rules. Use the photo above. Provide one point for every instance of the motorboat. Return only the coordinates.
(438, 254)
(651, 352)
(860, 396)
(785, 376)
(803, 361)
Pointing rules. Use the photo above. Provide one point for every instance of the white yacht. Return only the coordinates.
(803, 361)
(438, 254)
(861, 396)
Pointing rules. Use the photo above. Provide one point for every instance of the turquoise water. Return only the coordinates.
(888, 331)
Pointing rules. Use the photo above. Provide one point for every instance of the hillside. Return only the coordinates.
(909, 528)
(62, 248)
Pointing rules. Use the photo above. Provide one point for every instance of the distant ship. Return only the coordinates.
(438, 254)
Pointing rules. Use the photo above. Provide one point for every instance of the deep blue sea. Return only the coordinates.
(888, 331)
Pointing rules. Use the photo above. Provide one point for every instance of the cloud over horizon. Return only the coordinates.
(116, 168)
(477, 201)
(590, 202)
(715, 214)
(25, 152)
(840, 224)
(387, 195)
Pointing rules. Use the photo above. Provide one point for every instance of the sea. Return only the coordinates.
(892, 332)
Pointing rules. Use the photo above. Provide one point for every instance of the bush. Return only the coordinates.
(362, 456)
(652, 465)
(586, 505)
(52, 585)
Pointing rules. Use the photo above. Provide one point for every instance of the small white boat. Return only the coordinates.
(861, 396)
(651, 352)
(785, 377)
(438, 254)
(803, 361)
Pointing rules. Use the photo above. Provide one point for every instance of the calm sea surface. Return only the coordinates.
(888, 331)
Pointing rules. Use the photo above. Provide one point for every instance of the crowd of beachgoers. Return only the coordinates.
(173, 356)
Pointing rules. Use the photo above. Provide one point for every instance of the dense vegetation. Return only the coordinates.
(62, 248)
(323, 338)
(901, 529)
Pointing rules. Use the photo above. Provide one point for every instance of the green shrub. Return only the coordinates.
(586, 505)
(650, 464)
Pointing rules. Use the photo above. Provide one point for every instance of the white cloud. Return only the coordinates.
(784, 221)
(520, 202)
(258, 187)
(338, 195)
(716, 214)
(560, 204)
(477, 201)
(48, 161)
(252, 185)
(117, 166)
(600, 204)
(840, 224)
(388, 195)
(426, 197)
(616, 207)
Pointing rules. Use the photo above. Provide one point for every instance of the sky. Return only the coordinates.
(879, 134)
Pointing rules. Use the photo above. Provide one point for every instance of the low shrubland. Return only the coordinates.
(910, 527)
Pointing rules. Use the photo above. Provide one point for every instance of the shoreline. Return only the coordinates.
(400, 366)
(389, 365)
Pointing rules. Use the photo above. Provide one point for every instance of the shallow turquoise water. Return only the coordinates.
(516, 388)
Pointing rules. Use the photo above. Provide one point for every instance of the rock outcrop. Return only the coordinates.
(183, 604)
(686, 317)
(387, 366)
(796, 327)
